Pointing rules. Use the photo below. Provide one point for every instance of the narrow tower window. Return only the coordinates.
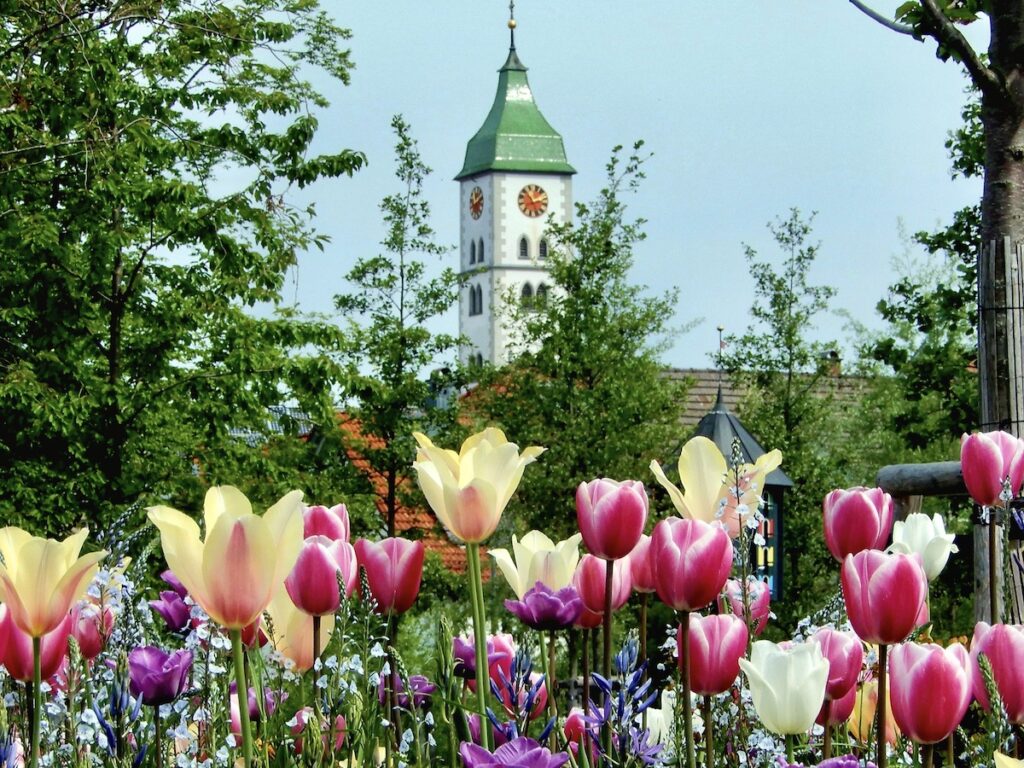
(480, 252)
(543, 252)
(527, 295)
(542, 295)
(524, 248)
(472, 251)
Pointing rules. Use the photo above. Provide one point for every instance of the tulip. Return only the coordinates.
(420, 686)
(499, 651)
(333, 523)
(537, 685)
(740, 496)
(521, 752)
(302, 718)
(40, 579)
(469, 490)
(91, 625)
(863, 718)
(716, 645)
(175, 583)
(394, 568)
(589, 619)
(537, 558)
(1005, 761)
(702, 471)
(590, 580)
(611, 516)
(856, 519)
(787, 685)
(692, 562)
(988, 460)
(543, 609)
(759, 598)
(931, 689)
(928, 538)
(16, 648)
(499, 660)
(641, 566)
(156, 676)
(173, 610)
(252, 712)
(234, 572)
(291, 631)
(845, 656)
(884, 594)
(313, 581)
(1003, 646)
(661, 720)
(836, 711)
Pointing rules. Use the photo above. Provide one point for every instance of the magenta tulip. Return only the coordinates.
(589, 581)
(302, 719)
(394, 568)
(931, 689)
(856, 519)
(91, 626)
(692, 560)
(987, 460)
(839, 710)
(884, 594)
(717, 643)
(611, 516)
(16, 648)
(642, 566)
(333, 523)
(313, 583)
(158, 677)
(759, 596)
(1003, 646)
(845, 655)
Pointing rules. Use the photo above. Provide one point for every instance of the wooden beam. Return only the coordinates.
(938, 478)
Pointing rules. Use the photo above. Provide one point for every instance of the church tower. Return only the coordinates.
(514, 177)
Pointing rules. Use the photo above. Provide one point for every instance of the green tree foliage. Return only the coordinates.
(388, 355)
(587, 383)
(148, 152)
(790, 403)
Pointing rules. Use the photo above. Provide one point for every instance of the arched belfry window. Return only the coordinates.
(527, 295)
(480, 251)
(543, 249)
(542, 295)
(479, 300)
(476, 300)
(472, 251)
(524, 248)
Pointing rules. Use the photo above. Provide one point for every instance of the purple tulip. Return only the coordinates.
(421, 690)
(542, 609)
(464, 654)
(173, 610)
(158, 677)
(175, 584)
(518, 753)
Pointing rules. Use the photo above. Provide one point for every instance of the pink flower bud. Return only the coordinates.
(642, 566)
(333, 523)
(611, 516)
(845, 656)
(987, 460)
(884, 593)
(692, 560)
(856, 519)
(394, 568)
(1003, 646)
(590, 579)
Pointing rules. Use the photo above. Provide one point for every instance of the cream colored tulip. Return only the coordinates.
(928, 538)
(702, 471)
(469, 490)
(244, 559)
(747, 493)
(291, 630)
(538, 558)
(787, 685)
(1005, 761)
(41, 579)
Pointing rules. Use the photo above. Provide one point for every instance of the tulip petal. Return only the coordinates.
(673, 492)
(508, 569)
(183, 551)
(284, 521)
(72, 586)
(12, 539)
(702, 470)
(223, 500)
(238, 583)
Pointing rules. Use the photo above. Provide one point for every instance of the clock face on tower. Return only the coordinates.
(533, 200)
(476, 202)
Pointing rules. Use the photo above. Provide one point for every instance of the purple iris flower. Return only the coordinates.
(541, 608)
(173, 610)
(464, 654)
(158, 677)
(421, 690)
(518, 753)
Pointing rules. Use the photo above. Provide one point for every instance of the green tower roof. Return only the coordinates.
(515, 136)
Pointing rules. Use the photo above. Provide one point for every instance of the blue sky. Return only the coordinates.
(749, 108)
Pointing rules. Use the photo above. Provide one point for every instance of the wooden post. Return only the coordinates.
(1001, 385)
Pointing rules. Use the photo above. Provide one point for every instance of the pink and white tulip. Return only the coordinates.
(931, 689)
(717, 643)
(590, 579)
(611, 516)
(988, 460)
(394, 568)
(845, 655)
(856, 519)
(692, 562)
(642, 566)
(332, 522)
(1003, 646)
(759, 597)
(16, 648)
(885, 594)
(313, 583)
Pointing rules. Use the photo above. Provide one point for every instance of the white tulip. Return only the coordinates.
(928, 538)
(787, 685)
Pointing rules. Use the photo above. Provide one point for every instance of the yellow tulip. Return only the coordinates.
(538, 558)
(291, 630)
(862, 720)
(233, 573)
(702, 470)
(41, 579)
(746, 492)
(1005, 761)
(469, 490)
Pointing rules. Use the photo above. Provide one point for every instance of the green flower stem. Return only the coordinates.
(37, 700)
(606, 668)
(586, 690)
(789, 749)
(643, 646)
(684, 663)
(158, 740)
(709, 737)
(883, 747)
(243, 694)
(480, 638)
(827, 747)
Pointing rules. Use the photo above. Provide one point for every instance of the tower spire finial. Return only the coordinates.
(512, 24)
(721, 346)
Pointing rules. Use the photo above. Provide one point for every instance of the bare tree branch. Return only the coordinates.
(895, 26)
(946, 33)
